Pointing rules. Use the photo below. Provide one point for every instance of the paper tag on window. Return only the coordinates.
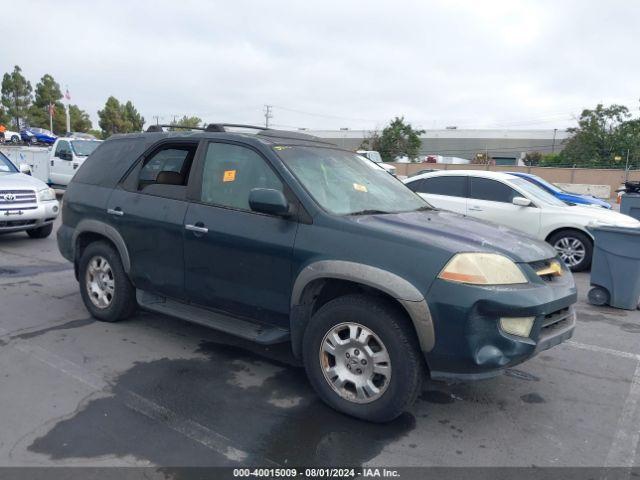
(229, 176)
(359, 188)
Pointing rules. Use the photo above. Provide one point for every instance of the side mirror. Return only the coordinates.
(24, 168)
(268, 200)
(521, 201)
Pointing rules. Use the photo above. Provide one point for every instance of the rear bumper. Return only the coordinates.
(470, 344)
(17, 219)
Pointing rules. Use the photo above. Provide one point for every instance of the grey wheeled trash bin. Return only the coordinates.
(615, 268)
(630, 200)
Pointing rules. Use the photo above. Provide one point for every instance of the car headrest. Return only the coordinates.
(170, 178)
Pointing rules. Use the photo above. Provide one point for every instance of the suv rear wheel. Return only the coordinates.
(105, 287)
(362, 358)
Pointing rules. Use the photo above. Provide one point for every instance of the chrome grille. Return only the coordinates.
(17, 200)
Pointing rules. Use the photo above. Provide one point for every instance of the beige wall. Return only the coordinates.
(590, 176)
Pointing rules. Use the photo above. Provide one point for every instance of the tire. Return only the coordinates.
(118, 299)
(564, 242)
(15, 139)
(388, 325)
(41, 232)
(598, 296)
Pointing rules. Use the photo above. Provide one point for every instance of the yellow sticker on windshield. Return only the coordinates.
(359, 188)
(229, 176)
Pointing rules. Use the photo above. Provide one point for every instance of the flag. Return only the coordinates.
(52, 109)
(66, 95)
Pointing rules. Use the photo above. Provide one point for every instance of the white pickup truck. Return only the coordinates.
(56, 165)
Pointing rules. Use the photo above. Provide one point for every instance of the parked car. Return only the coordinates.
(512, 201)
(26, 203)
(36, 136)
(376, 157)
(11, 137)
(567, 197)
(282, 237)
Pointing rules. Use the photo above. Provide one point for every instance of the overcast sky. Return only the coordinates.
(335, 63)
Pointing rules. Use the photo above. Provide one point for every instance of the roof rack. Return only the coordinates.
(262, 131)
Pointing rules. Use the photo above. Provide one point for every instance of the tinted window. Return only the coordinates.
(231, 172)
(168, 166)
(491, 190)
(111, 160)
(452, 186)
(63, 147)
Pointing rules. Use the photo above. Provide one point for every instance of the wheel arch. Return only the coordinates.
(568, 228)
(324, 280)
(89, 231)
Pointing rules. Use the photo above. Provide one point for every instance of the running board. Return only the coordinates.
(263, 334)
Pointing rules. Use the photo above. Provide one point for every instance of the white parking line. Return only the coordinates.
(625, 443)
(609, 351)
(189, 428)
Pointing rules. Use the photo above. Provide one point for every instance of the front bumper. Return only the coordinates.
(469, 342)
(27, 218)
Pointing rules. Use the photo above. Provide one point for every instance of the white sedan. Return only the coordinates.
(12, 137)
(516, 203)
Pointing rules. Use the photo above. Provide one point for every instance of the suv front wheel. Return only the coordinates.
(105, 287)
(362, 358)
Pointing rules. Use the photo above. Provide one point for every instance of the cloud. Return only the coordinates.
(346, 64)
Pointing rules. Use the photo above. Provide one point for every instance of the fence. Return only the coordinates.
(588, 176)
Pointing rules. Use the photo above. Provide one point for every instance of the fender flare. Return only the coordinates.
(107, 231)
(407, 295)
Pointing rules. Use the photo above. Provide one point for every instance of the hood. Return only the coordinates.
(602, 216)
(589, 199)
(17, 181)
(457, 233)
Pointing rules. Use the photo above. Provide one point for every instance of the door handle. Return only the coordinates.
(475, 209)
(115, 211)
(197, 228)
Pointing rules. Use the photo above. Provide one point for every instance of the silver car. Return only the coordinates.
(26, 203)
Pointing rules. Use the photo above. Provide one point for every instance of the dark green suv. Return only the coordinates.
(277, 236)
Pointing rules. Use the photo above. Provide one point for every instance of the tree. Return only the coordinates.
(79, 119)
(187, 122)
(16, 96)
(601, 135)
(118, 118)
(5, 118)
(397, 139)
(132, 115)
(532, 159)
(48, 93)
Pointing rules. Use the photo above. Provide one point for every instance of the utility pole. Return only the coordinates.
(267, 115)
(553, 146)
(626, 168)
(157, 119)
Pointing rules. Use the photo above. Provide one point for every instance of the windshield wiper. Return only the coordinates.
(369, 212)
(423, 209)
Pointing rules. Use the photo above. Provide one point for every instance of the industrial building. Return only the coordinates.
(505, 147)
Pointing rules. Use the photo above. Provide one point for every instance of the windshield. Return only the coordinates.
(536, 193)
(6, 166)
(345, 183)
(84, 148)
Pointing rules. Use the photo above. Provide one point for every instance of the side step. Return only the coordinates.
(263, 334)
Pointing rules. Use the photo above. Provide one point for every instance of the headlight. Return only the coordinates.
(482, 269)
(46, 194)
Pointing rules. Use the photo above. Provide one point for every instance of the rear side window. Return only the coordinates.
(453, 186)
(491, 190)
(231, 172)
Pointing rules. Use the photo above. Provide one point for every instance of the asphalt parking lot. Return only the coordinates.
(158, 391)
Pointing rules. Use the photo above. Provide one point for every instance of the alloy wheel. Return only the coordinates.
(100, 282)
(571, 250)
(355, 362)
